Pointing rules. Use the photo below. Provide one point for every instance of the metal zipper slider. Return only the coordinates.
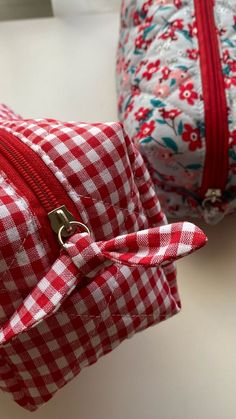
(212, 212)
(64, 224)
(213, 196)
(61, 217)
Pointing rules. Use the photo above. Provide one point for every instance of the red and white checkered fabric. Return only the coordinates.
(60, 314)
(7, 113)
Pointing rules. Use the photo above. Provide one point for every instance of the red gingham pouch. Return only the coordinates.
(85, 252)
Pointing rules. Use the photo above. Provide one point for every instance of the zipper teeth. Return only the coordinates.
(218, 126)
(216, 160)
(44, 192)
(211, 59)
(214, 128)
(30, 175)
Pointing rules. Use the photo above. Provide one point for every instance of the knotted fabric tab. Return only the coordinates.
(155, 246)
(85, 257)
(86, 254)
(151, 247)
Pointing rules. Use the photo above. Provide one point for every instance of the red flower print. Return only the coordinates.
(136, 18)
(161, 90)
(125, 66)
(233, 168)
(148, 42)
(165, 73)
(192, 136)
(187, 93)
(193, 54)
(169, 33)
(177, 24)
(151, 69)
(129, 109)
(229, 81)
(227, 58)
(192, 202)
(178, 3)
(146, 24)
(141, 114)
(233, 67)
(221, 31)
(193, 29)
(142, 64)
(146, 6)
(233, 138)
(135, 90)
(139, 42)
(172, 114)
(146, 129)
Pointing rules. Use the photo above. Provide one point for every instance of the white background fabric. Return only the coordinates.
(184, 368)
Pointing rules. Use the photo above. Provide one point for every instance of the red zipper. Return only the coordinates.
(216, 116)
(36, 182)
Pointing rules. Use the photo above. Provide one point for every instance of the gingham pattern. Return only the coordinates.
(148, 248)
(59, 319)
(7, 113)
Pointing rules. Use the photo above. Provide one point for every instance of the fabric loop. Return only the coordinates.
(85, 257)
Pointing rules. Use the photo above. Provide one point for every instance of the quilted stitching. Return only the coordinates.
(161, 99)
(67, 321)
(225, 16)
(139, 90)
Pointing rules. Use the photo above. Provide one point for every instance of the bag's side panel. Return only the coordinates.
(107, 182)
(24, 252)
(225, 17)
(152, 207)
(160, 97)
(23, 261)
(7, 113)
(120, 301)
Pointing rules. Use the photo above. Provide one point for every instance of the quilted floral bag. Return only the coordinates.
(177, 86)
(86, 256)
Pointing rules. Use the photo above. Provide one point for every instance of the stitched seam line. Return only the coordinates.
(28, 222)
(69, 186)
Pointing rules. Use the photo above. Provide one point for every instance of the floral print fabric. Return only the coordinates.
(161, 98)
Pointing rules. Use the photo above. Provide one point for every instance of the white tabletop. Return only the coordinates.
(184, 368)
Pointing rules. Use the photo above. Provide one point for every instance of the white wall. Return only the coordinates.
(60, 67)
(71, 7)
(184, 368)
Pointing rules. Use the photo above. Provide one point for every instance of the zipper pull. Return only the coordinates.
(64, 224)
(212, 196)
(212, 211)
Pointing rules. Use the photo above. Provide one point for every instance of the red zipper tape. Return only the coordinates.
(31, 176)
(216, 117)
